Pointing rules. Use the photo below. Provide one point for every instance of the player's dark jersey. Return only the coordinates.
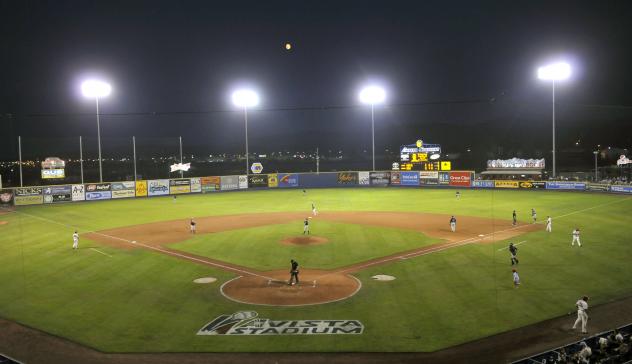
(452, 220)
(306, 222)
(192, 223)
(294, 266)
(513, 249)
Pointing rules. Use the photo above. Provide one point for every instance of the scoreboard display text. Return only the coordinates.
(426, 165)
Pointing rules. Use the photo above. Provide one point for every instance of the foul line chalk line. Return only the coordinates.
(98, 251)
(516, 244)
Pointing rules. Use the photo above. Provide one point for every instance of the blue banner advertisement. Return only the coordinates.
(623, 189)
(483, 184)
(409, 178)
(158, 187)
(565, 186)
(288, 180)
(103, 195)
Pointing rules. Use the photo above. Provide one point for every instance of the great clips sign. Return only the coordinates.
(461, 179)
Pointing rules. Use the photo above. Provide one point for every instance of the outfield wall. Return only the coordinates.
(37, 195)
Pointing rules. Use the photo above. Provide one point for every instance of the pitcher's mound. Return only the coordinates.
(315, 287)
(304, 240)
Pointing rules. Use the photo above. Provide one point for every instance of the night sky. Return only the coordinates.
(461, 74)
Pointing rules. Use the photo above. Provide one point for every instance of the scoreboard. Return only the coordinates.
(422, 157)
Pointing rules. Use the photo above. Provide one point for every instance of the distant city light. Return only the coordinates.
(95, 88)
(245, 98)
(555, 71)
(372, 95)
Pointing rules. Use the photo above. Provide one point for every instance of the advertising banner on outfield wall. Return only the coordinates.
(483, 184)
(597, 187)
(364, 178)
(141, 188)
(257, 180)
(532, 184)
(54, 194)
(78, 192)
(428, 178)
(158, 187)
(179, 186)
(288, 180)
(444, 178)
(410, 178)
(196, 185)
(229, 183)
(211, 184)
(28, 196)
(395, 178)
(565, 186)
(104, 195)
(506, 184)
(273, 180)
(621, 189)
(6, 198)
(123, 189)
(243, 182)
(460, 179)
(348, 178)
(380, 178)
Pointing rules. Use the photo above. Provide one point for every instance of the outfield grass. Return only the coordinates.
(261, 248)
(139, 301)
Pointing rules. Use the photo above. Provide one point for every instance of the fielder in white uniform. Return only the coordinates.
(534, 216)
(75, 240)
(548, 223)
(314, 211)
(516, 278)
(192, 226)
(582, 316)
(576, 238)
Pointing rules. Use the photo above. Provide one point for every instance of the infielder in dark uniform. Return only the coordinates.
(514, 253)
(293, 272)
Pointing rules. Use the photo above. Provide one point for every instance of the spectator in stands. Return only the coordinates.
(584, 353)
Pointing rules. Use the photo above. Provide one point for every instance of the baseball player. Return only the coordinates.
(515, 219)
(458, 195)
(534, 216)
(576, 238)
(175, 198)
(314, 211)
(513, 250)
(582, 316)
(548, 223)
(453, 223)
(192, 226)
(293, 272)
(306, 226)
(516, 278)
(75, 241)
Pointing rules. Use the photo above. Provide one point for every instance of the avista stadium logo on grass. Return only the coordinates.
(248, 323)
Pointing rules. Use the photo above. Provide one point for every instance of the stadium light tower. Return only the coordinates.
(245, 99)
(97, 89)
(372, 95)
(554, 72)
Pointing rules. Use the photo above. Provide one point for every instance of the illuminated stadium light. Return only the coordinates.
(245, 98)
(95, 89)
(372, 95)
(555, 72)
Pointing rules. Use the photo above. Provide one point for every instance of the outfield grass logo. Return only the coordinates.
(248, 323)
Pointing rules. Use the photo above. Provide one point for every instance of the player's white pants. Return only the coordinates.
(193, 229)
(453, 226)
(75, 244)
(548, 227)
(314, 212)
(305, 229)
(581, 317)
(576, 239)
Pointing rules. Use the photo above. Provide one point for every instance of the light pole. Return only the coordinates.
(96, 89)
(554, 72)
(596, 152)
(372, 95)
(245, 99)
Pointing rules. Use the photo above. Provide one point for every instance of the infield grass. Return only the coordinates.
(142, 301)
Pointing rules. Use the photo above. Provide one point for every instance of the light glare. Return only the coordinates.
(245, 98)
(372, 95)
(95, 88)
(555, 72)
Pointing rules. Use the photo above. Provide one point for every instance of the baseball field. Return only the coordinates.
(130, 285)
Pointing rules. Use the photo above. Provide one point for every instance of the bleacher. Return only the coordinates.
(610, 347)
